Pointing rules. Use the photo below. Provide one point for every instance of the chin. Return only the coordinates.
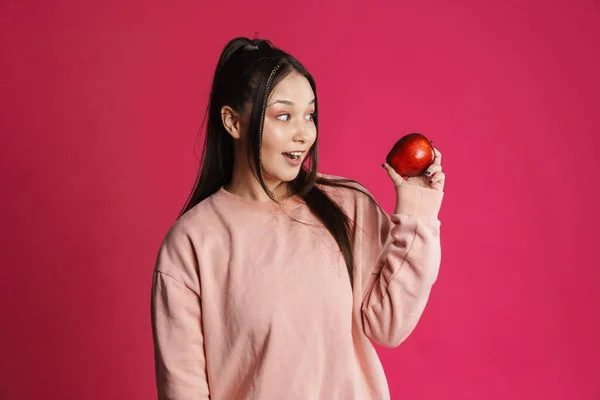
(281, 176)
(288, 177)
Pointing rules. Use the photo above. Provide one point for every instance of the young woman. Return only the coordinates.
(275, 279)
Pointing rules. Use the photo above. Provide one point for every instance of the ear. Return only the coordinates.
(231, 121)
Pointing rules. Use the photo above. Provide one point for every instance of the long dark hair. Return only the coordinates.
(247, 72)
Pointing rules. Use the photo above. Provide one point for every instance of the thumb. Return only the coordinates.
(396, 178)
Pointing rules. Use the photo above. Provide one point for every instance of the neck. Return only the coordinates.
(248, 187)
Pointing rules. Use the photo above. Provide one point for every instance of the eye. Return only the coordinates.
(310, 116)
(283, 117)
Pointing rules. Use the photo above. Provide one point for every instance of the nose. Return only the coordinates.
(302, 133)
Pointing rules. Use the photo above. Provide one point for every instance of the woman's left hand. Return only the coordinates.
(432, 179)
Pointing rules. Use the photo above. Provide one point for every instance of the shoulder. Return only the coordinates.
(341, 186)
(348, 193)
(182, 242)
(195, 222)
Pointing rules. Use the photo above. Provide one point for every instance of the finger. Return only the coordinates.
(392, 173)
(438, 156)
(438, 177)
(432, 169)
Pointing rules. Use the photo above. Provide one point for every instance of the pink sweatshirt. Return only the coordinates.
(249, 304)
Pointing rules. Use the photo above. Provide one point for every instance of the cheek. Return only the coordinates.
(313, 136)
(273, 140)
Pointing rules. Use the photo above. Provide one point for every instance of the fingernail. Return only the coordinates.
(427, 172)
(382, 165)
(431, 180)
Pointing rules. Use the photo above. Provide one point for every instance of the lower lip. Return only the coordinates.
(295, 162)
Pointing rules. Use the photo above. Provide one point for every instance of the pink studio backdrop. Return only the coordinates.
(100, 103)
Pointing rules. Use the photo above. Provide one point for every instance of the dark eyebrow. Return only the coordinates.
(289, 103)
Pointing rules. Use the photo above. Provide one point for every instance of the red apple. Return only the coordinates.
(411, 155)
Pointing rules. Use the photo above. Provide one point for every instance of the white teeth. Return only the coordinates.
(294, 155)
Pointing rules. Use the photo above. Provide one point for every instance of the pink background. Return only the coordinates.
(100, 103)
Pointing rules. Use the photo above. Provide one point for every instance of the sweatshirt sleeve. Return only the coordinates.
(401, 260)
(180, 363)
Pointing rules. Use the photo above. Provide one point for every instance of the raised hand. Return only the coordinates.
(433, 178)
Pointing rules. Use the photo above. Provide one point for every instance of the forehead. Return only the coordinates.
(294, 87)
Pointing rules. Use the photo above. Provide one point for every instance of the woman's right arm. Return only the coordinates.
(180, 363)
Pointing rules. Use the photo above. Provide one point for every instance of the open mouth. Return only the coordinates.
(293, 155)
